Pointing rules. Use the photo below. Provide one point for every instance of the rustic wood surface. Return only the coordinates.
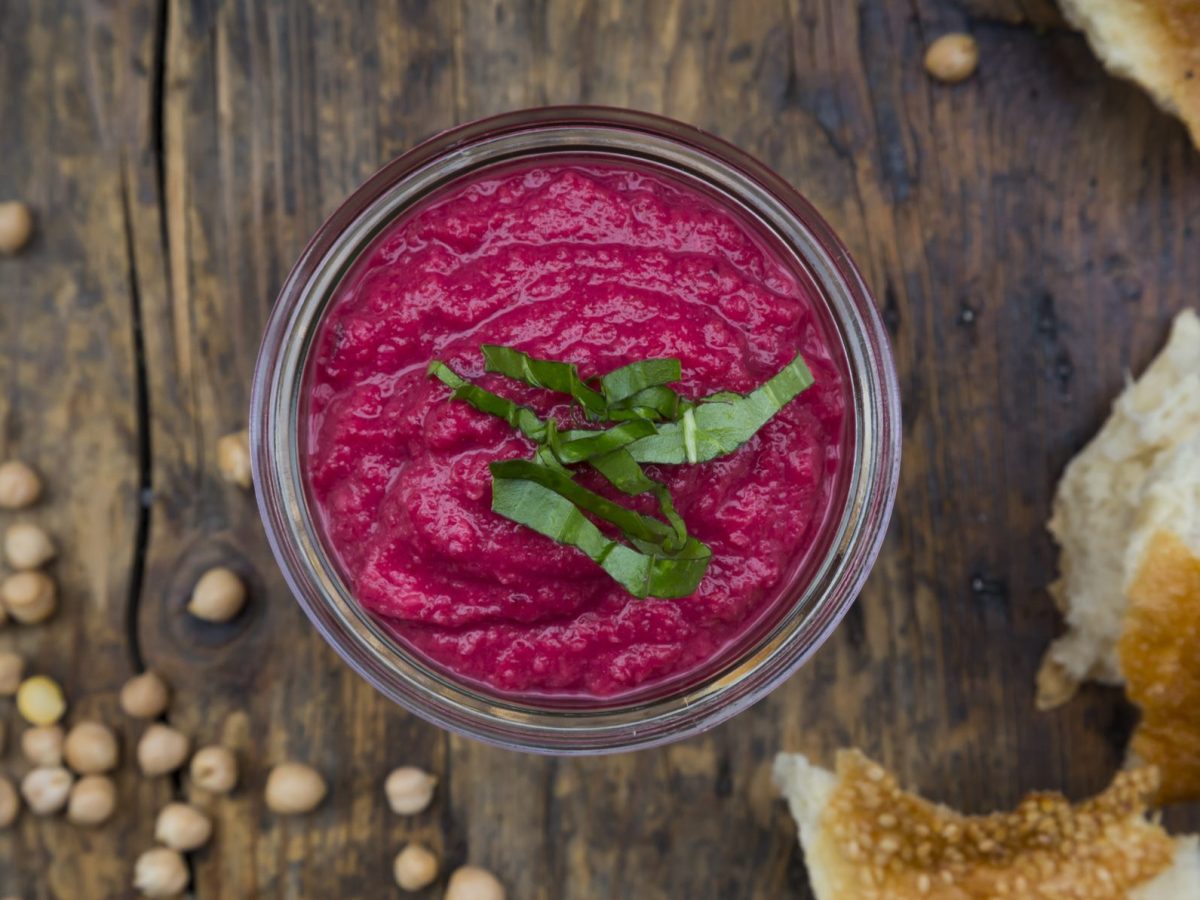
(1028, 234)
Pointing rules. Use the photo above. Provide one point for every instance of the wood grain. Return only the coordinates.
(1027, 236)
(69, 406)
(266, 127)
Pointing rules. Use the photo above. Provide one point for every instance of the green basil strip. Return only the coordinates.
(654, 403)
(719, 425)
(623, 472)
(721, 397)
(520, 417)
(643, 574)
(545, 456)
(582, 446)
(626, 381)
(633, 524)
(560, 377)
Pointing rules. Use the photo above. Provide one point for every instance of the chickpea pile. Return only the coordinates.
(28, 596)
(71, 766)
(409, 791)
(71, 770)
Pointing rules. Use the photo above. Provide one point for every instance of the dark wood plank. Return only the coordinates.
(69, 405)
(270, 117)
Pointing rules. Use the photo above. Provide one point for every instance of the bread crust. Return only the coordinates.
(1153, 42)
(865, 838)
(1160, 657)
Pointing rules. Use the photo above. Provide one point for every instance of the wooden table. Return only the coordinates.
(1028, 235)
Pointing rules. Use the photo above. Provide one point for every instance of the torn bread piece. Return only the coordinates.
(1160, 658)
(1153, 42)
(1139, 476)
(863, 838)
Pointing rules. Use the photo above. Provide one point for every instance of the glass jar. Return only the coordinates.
(811, 604)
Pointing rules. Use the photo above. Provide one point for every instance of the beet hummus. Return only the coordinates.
(598, 265)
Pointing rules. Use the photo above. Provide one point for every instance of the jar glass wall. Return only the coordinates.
(813, 601)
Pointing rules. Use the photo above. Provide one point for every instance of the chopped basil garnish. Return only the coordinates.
(623, 472)
(654, 403)
(621, 384)
(519, 417)
(562, 378)
(656, 425)
(643, 574)
(720, 424)
(632, 524)
(583, 446)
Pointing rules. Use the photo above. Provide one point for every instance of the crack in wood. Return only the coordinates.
(145, 486)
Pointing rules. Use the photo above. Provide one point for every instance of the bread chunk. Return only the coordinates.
(863, 837)
(1139, 476)
(1153, 42)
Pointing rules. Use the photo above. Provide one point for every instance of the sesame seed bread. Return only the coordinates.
(1139, 476)
(1153, 42)
(863, 838)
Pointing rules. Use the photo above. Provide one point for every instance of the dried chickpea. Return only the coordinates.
(46, 790)
(145, 696)
(294, 788)
(92, 801)
(182, 827)
(218, 596)
(161, 872)
(415, 867)
(952, 58)
(233, 459)
(12, 670)
(10, 803)
(16, 226)
(27, 546)
(43, 745)
(162, 749)
(20, 486)
(40, 700)
(29, 597)
(91, 749)
(409, 790)
(474, 883)
(214, 769)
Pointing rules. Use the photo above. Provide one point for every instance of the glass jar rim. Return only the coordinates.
(402, 675)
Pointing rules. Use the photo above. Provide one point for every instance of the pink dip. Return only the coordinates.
(599, 266)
